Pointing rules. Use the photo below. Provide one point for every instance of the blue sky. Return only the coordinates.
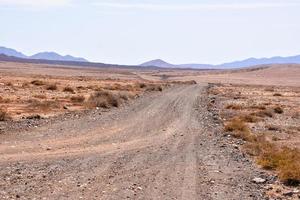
(134, 31)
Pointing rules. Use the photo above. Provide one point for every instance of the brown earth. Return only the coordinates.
(163, 145)
(135, 152)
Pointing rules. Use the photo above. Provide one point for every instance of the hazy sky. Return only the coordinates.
(134, 31)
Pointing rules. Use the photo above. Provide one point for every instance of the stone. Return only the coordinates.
(259, 180)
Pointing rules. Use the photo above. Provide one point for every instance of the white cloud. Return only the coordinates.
(191, 7)
(34, 3)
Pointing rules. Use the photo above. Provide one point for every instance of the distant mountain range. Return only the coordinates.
(41, 56)
(52, 56)
(236, 64)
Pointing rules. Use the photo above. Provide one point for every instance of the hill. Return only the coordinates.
(40, 56)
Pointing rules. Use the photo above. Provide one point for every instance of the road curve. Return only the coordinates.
(163, 146)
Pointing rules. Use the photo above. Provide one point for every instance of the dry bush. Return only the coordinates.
(153, 87)
(234, 107)
(258, 107)
(77, 99)
(80, 88)
(278, 110)
(51, 87)
(272, 128)
(263, 113)
(37, 82)
(239, 129)
(103, 99)
(68, 89)
(285, 161)
(249, 118)
(25, 85)
(4, 115)
(42, 105)
(277, 95)
(269, 90)
(5, 100)
(142, 85)
(9, 84)
(40, 96)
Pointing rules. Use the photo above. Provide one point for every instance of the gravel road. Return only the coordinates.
(162, 146)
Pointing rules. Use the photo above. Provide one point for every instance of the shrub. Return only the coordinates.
(40, 96)
(68, 89)
(263, 113)
(153, 87)
(4, 115)
(278, 110)
(277, 95)
(259, 107)
(142, 85)
(37, 82)
(234, 107)
(249, 118)
(285, 161)
(104, 99)
(42, 105)
(77, 99)
(239, 129)
(51, 87)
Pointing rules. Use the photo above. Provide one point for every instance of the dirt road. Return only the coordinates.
(162, 146)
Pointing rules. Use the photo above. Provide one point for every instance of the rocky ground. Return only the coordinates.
(167, 145)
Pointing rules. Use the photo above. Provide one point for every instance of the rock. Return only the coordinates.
(259, 180)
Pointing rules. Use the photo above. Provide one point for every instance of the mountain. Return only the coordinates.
(158, 63)
(41, 56)
(11, 52)
(260, 61)
(163, 64)
(236, 64)
(56, 56)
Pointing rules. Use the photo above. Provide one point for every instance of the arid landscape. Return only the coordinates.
(70, 132)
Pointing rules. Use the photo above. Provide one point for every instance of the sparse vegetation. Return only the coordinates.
(69, 89)
(4, 115)
(103, 99)
(51, 87)
(77, 99)
(42, 105)
(277, 95)
(267, 148)
(264, 113)
(40, 96)
(37, 82)
(278, 110)
(153, 87)
(234, 107)
(285, 161)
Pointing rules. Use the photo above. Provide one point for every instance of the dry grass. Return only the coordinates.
(69, 89)
(51, 87)
(103, 99)
(153, 87)
(263, 113)
(37, 82)
(40, 96)
(77, 99)
(236, 125)
(285, 161)
(36, 105)
(249, 118)
(278, 110)
(4, 115)
(269, 150)
(234, 107)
